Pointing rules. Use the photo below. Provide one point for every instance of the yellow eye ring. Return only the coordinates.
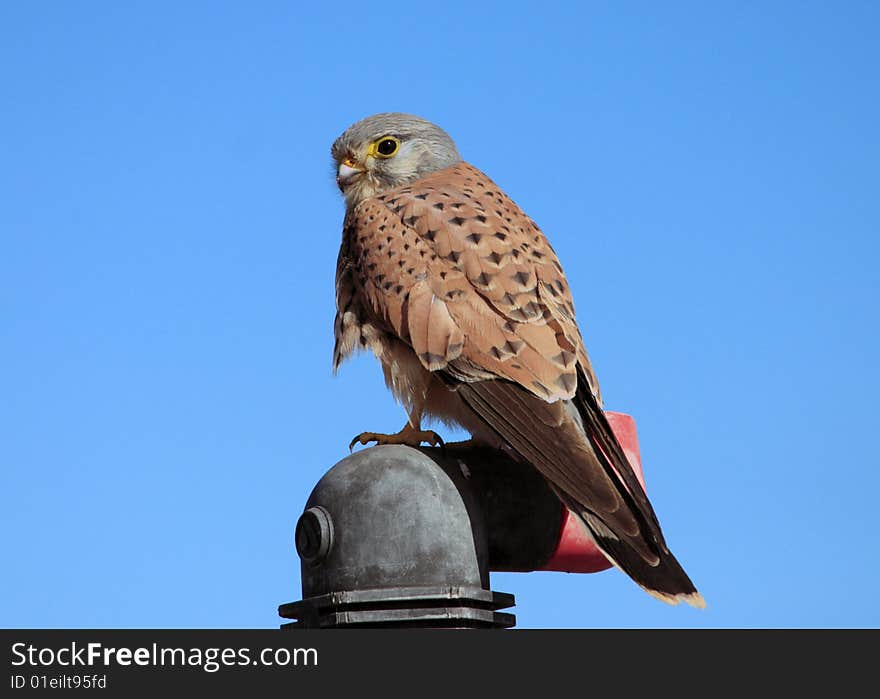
(384, 147)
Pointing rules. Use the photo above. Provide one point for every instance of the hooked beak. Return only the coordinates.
(346, 172)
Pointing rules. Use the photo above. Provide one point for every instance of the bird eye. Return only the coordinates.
(385, 147)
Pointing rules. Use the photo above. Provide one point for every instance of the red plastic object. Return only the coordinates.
(576, 552)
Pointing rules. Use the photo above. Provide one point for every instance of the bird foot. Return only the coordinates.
(408, 435)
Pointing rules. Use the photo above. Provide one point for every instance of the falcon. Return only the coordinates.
(463, 301)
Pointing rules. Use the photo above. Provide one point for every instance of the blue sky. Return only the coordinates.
(707, 172)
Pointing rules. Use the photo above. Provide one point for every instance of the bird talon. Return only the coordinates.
(437, 441)
(407, 436)
(365, 438)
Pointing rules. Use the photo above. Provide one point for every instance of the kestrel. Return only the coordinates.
(461, 298)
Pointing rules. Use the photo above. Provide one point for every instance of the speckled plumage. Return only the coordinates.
(465, 304)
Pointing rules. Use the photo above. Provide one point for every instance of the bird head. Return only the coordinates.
(386, 151)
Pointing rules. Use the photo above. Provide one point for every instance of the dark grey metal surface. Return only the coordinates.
(398, 518)
(396, 536)
(522, 516)
(421, 606)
